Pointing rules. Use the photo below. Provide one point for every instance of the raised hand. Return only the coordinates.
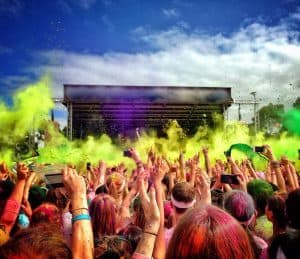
(22, 171)
(3, 171)
(73, 182)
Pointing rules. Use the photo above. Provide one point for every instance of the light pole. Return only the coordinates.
(255, 117)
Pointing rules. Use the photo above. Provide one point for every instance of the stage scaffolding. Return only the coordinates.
(119, 110)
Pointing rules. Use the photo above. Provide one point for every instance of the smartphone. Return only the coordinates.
(127, 153)
(31, 167)
(88, 166)
(227, 153)
(53, 180)
(229, 178)
(259, 149)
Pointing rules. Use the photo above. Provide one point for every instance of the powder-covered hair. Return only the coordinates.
(260, 191)
(240, 205)
(209, 233)
(103, 214)
(46, 213)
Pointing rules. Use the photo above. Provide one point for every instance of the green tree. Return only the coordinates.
(270, 117)
(296, 104)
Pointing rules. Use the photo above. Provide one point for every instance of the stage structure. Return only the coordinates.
(119, 110)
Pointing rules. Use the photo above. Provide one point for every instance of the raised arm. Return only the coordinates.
(13, 204)
(207, 162)
(151, 211)
(157, 175)
(82, 235)
(182, 176)
(275, 166)
(251, 169)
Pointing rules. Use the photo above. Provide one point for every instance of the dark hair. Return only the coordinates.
(293, 208)
(133, 234)
(217, 197)
(260, 191)
(6, 188)
(37, 196)
(113, 247)
(34, 242)
(139, 213)
(58, 196)
(276, 204)
(101, 189)
(207, 233)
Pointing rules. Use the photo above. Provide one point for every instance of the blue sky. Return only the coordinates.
(249, 45)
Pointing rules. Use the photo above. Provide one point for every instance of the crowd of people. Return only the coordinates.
(162, 209)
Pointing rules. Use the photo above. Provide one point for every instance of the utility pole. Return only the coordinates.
(255, 117)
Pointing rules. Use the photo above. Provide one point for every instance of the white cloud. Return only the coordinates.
(296, 15)
(170, 12)
(254, 58)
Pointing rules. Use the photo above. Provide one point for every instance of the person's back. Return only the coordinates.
(261, 191)
(240, 205)
(287, 245)
(182, 198)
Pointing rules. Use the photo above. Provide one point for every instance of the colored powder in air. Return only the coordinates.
(30, 111)
(291, 121)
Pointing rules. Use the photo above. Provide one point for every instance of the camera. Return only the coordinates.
(227, 153)
(127, 153)
(53, 180)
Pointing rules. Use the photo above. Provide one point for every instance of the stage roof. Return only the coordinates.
(96, 109)
(146, 94)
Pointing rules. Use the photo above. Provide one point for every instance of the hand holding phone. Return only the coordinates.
(259, 149)
(127, 153)
(53, 180)
(229, 178)
(88, 166)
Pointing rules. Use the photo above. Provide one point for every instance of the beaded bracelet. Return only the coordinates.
(81, 217)
(150, 233)
(80, 209)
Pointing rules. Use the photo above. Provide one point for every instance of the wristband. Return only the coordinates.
(80, 211)
(81, 217)
(275, 164)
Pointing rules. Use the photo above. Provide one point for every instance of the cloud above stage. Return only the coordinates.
(257, 57)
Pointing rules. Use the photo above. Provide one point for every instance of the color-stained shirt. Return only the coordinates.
(263, 228)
